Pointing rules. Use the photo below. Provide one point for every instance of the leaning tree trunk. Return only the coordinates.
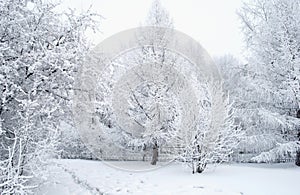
(154, 155)
(298, 151)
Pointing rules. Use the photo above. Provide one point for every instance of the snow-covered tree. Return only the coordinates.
(158, 16)
(238, 83)
(217, 134)
(271, 30)
(151, 105)
(40, 51)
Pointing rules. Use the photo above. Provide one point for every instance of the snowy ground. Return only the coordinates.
(93, 177)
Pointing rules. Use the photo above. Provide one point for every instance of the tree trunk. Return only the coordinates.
(298, 151)
(144, 153)
(154, 155)
(198, 167)
(298, 158)
(201, 167)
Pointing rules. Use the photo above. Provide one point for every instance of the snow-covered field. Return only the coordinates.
(93, 177)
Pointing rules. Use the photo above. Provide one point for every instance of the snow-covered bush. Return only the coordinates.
(282, 151)
(216, 135)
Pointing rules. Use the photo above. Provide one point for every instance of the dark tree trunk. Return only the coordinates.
(154, 155)
(298, 151)
(144, 152)
(298, 158)
(200, 167)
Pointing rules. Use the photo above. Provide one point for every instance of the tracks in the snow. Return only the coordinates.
(82, 183)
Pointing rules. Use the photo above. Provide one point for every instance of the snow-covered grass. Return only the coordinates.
(93, 177)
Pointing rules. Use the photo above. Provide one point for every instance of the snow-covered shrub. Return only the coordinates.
(216, 135)
(281, 152)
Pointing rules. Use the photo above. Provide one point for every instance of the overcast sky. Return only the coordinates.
(213, 23)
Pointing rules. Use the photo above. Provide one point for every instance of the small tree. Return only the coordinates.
(216, 136)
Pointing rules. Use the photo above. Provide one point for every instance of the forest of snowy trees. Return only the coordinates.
(43, 48)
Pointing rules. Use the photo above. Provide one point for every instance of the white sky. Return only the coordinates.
(213, 23)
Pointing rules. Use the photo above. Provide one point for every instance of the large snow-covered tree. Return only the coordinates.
(40, 51)
(157, 127)
(151, 105)
(271, 30)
